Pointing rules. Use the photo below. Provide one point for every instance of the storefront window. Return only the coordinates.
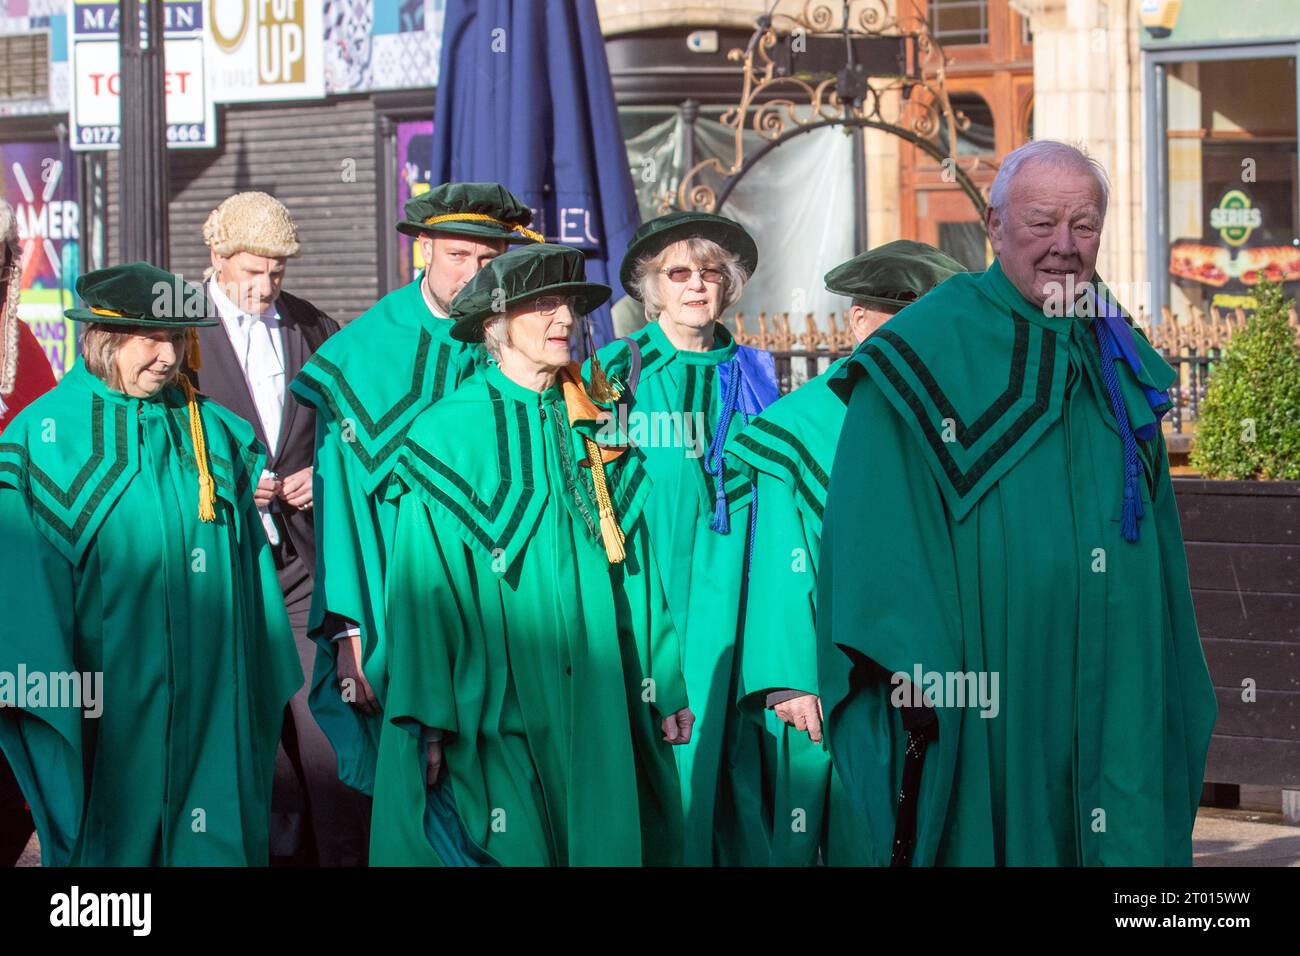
(1232, 180)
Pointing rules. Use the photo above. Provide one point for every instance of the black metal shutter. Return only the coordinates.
(317, 158)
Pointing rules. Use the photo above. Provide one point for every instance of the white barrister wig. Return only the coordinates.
(251, 222)
(11, 268)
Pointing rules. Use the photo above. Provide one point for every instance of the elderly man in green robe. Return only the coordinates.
(368, 383)
(145, 653)
(535, 682)
(686, 387)
(1008, 658)
(787, 452)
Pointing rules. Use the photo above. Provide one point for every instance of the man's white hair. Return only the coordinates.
(1053, 153)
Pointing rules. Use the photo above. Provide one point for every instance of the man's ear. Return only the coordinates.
(216, 264)
(858, 323)
(993, 225)
(426, 247)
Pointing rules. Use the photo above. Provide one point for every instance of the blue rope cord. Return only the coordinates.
(753, 522)
(715, 461)
(1110, 352)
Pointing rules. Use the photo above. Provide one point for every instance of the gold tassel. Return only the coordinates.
(193, 357)
(601, 390)
(207, 487)
(611, 534)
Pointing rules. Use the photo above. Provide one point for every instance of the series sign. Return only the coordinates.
(1234, 218)
(96, 102)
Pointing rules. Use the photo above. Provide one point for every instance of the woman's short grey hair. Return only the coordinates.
(699, 252)
(496, 330)
(1053, 153)
(99, 345)
(496, 335)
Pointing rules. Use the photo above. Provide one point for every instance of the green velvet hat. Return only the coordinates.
(521, 275)
(658, 234)
(893, 275)
(475, 210)
(141, 294)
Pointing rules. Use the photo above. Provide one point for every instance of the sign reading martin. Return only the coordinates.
(265, 50)
(95, 107)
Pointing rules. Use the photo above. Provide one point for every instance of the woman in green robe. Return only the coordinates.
(146, 643)
(688, 387)
(534, 672)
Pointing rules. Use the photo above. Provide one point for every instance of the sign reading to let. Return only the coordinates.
(96, 101)
(265, 50)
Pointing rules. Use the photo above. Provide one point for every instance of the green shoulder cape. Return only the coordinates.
(971, 425)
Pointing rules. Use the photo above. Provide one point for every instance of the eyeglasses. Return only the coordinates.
(682, 273)
(549, 304)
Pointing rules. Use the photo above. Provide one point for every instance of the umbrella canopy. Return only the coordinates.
(525, 100)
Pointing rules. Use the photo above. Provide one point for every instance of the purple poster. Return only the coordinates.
(414, 160)
(39, 184)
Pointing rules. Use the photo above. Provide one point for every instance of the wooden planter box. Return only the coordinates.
(1243, 552)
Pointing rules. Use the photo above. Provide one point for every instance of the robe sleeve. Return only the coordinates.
(887, 600)
(429, 633)
(424, 619)
(653, 630)
(43, 746)
(349, 572)
(779, 650)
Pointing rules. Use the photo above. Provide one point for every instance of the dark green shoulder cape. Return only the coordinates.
(616, 361)
(379, 372)
(491, 495)
(973, 427)
(71, 454)
(794, 440)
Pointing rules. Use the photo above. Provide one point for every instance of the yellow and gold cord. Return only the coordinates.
(611, 534)
(207, 487)
(482, 217)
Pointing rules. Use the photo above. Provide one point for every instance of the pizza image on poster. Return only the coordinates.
(1235, 254)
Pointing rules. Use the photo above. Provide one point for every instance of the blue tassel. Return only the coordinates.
(715, 462)
(1133, 510)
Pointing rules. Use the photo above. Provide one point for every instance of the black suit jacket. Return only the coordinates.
(303, 327)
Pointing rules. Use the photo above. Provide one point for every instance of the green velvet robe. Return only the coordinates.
(787, 452)
(721, 769)
(107, 568)
(973, 525)
(547, 669)
(367, 383)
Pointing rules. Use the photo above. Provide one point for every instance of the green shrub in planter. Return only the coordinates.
(1250, 419)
